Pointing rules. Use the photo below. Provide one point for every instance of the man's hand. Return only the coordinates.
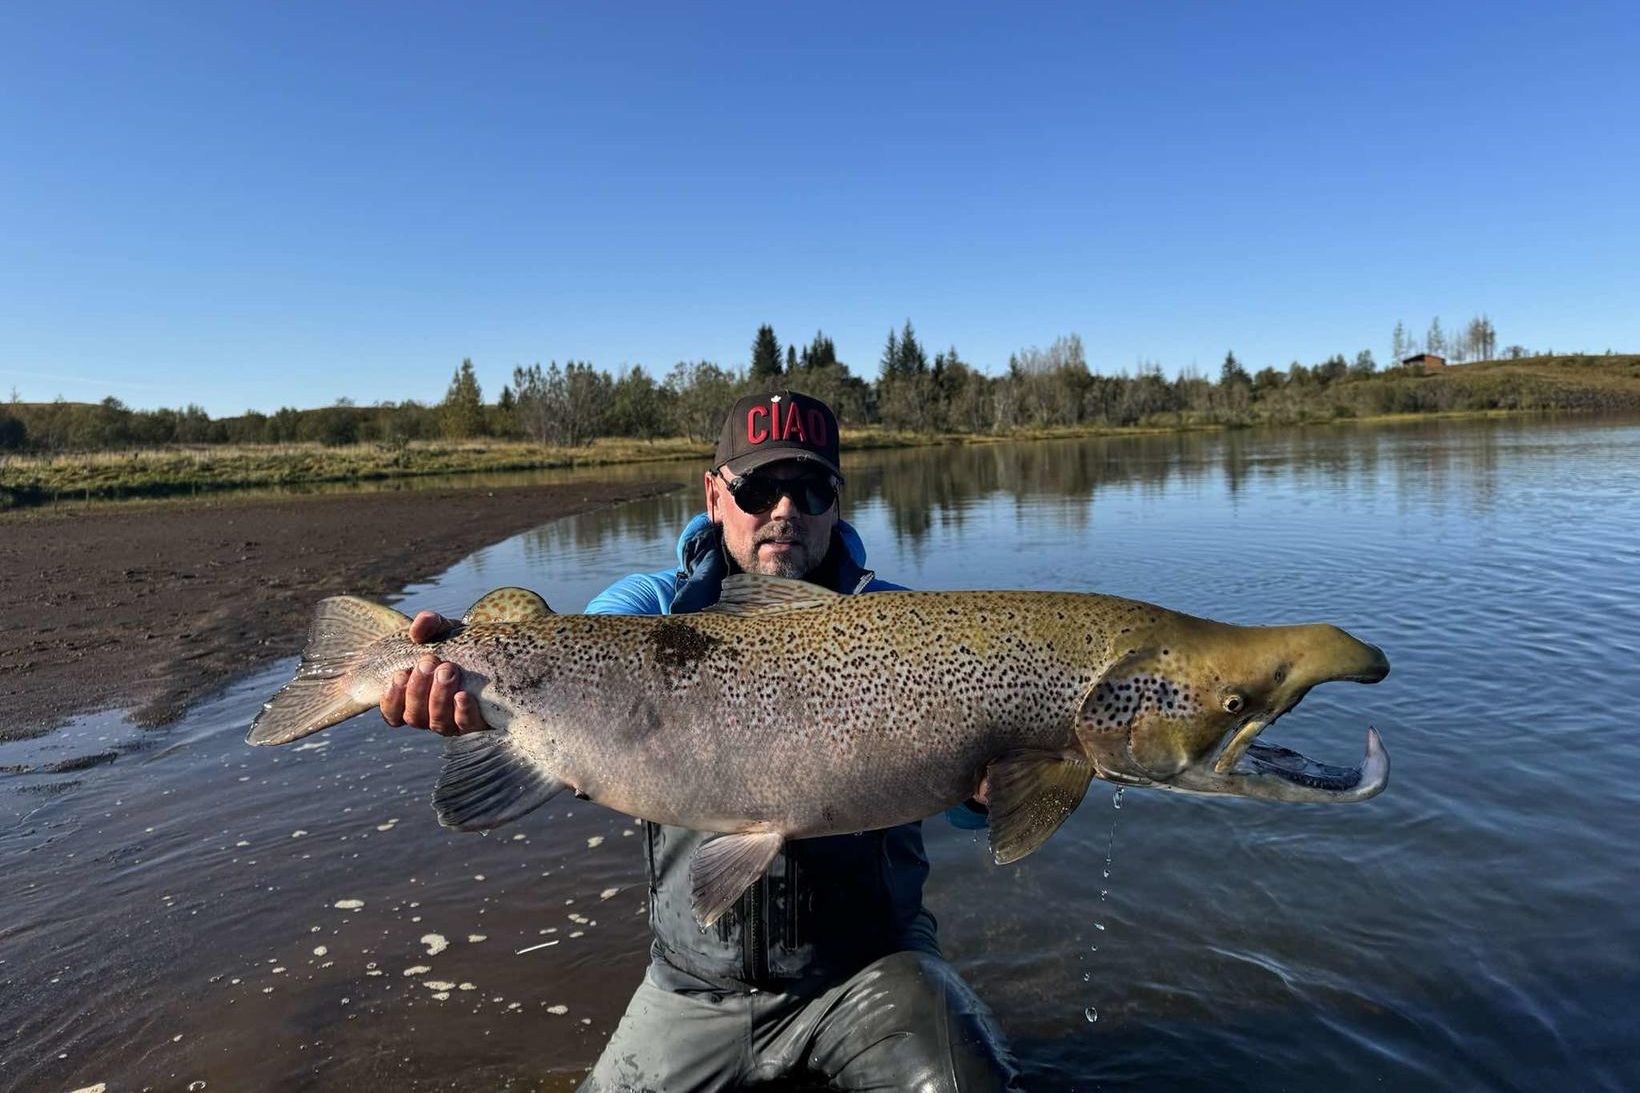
(429, 696)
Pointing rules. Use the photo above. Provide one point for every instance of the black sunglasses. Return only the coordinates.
(756, 494)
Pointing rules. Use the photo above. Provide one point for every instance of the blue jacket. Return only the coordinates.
(825, 907)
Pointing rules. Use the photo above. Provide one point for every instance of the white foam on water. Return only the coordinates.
(436, 943)
(348, 904)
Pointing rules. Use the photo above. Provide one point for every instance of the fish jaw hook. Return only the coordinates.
(1274, 773)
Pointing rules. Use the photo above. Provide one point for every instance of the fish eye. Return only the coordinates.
(1233, 703)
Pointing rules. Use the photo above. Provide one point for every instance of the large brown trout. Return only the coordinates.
(788, 711)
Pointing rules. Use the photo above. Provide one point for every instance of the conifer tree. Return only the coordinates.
(891, 354)
(1231, 373)
(913, 360)
(461, 414)
(820, 353)
(765, 355)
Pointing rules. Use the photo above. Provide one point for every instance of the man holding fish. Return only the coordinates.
(829, 963)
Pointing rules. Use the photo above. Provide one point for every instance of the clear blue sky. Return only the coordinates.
(257, 204)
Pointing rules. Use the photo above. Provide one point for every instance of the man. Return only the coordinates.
(829, 964)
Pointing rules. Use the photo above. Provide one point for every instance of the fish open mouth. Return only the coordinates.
(1248, 767)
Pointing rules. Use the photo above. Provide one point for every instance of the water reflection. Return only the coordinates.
(1432, 464)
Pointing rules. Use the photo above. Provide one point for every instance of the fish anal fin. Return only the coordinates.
(1031, 794)
(725, 867)
(487, 782)
(507, 605)
(752, 594)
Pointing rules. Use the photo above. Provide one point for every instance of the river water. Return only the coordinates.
(196, 911)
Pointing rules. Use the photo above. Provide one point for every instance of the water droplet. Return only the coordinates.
(1091, 1014)
(1098, 925)
(1087, 977)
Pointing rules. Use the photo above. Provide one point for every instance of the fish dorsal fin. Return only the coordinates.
(1031, 794)
(749, 594)
(507, 605)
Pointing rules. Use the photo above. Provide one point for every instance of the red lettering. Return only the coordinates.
(817, 428)
(794, 423)
(754, 435)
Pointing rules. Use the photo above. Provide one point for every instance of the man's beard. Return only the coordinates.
(791, 563)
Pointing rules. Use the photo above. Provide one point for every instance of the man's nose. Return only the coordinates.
(785, 508)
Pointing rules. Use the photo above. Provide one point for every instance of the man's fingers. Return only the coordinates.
(983, 793)
(392, 704)
(468, 719)
(441, 700)
(427, 626)
(415, 691)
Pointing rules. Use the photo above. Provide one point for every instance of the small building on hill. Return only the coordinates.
(1429, 362)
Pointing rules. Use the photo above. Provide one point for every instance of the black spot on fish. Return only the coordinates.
(679, 645)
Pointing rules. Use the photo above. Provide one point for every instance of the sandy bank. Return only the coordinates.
(152, 607)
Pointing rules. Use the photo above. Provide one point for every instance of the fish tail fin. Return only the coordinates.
(323, 691)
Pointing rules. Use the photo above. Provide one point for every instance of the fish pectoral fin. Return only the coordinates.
(752, 594)
(1031, 794)
(725, 867)
(507, 605)
(487, 782)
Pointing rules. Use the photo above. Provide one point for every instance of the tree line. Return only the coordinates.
(574, 403)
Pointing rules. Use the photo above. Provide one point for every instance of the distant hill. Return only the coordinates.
(1557, 383)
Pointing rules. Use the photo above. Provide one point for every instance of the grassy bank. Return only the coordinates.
(1534, 385)
(169, 471)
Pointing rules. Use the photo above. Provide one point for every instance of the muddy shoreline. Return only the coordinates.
(153, 607)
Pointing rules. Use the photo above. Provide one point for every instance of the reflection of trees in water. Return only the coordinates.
(656, 518)
(922, 489)
(1447, 462)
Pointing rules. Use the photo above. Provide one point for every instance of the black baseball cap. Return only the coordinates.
(778, 425)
